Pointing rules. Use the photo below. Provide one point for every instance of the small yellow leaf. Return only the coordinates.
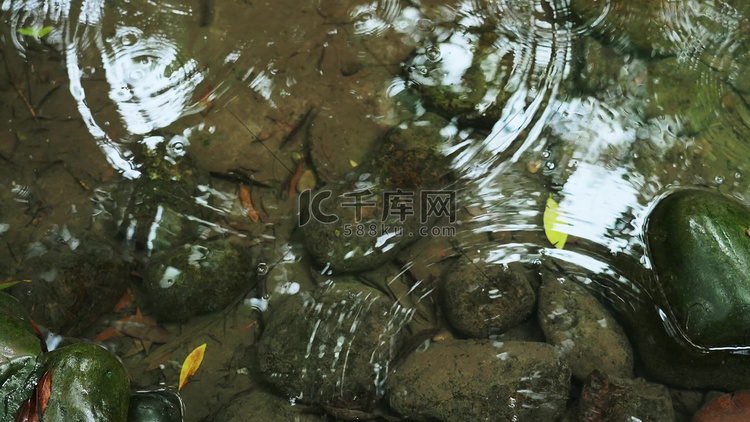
(191, 364)
(353, 163)
(552, 224)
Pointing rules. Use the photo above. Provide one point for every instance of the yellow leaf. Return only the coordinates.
(353, 163)
(191, 364)
(552, 224)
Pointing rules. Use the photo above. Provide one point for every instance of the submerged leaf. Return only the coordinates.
(552, 224)
(34, 32)
(191, 364)
(10, 283)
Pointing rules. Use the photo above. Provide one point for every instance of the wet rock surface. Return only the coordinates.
(332, 346)
(480, 299)
(198, 278)
(19, 365)
(87, 383)
(359, 239)
(472, 380)
(475, 94)
(263, 407)
(588, 337)
(158, 202)
(689, 234)
(154, 406)
(17, 335)
(612, 399)
(72, 288)
(363, 221)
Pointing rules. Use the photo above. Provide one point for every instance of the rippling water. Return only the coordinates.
(583, 101)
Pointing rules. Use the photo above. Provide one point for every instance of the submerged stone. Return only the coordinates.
(361, 222)
(612, 399)
(481, 380)
(162, 200)
(263, 407)
(690, 93)
(476, 90)
(199, 278)
(155, 406)
(71, 289)
(588, 337)
(481, 299)
(87, 383)
(699, 244)
(332, 346)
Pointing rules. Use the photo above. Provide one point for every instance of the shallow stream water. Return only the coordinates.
(604, 111)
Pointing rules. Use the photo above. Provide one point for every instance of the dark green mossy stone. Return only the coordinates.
(87, 383)
(700, 250)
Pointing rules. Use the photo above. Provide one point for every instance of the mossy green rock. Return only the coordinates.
(197, 279)
(475, 94)
(332, 346)
(700, 249)
(87, 384)
(19, 348)
(17, 337)
(691, 93)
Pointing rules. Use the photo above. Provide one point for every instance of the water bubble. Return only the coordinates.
(433, 54)
(425, 25)
(550, 165)
(177, 146)
(737, 175)
(719, 180)
(262, 268)
(545, 154)
(128, 39)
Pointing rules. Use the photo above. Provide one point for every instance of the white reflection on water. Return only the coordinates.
(150, 80)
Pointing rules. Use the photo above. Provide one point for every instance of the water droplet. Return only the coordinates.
(545, 154)
(550, 165)
(737, 175)
(719, 180)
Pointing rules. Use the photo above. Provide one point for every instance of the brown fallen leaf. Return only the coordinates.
(28, 412)
(295, 178)
(108, 334)
(43, 391)
(124, 301)
(142, 331)
(306, 181)
(247, 204)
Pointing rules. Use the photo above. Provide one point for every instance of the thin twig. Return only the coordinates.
(23, 97)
